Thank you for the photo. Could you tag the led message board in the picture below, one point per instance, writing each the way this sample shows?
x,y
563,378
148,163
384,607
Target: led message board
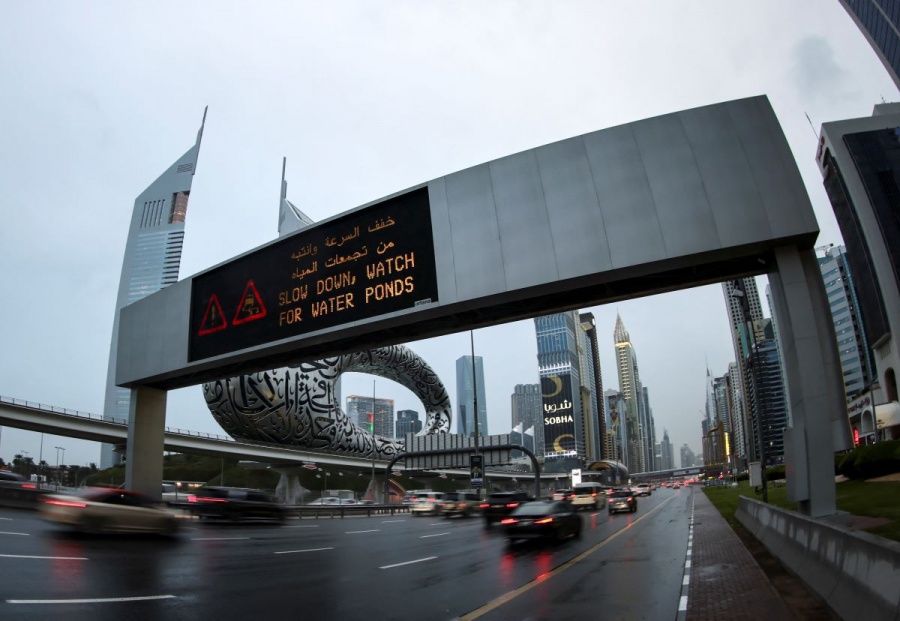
x,y
373,261
559,415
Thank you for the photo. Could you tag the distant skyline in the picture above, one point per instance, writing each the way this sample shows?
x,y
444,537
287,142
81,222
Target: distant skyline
x,y
364,99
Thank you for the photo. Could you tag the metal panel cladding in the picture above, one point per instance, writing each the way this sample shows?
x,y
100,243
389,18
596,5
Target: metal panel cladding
x,y
370,262
559,415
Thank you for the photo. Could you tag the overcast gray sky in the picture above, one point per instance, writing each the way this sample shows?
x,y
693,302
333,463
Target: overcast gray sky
x,y
364,99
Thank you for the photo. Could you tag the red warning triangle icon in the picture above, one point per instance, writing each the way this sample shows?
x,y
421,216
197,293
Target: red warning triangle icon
x,y
213,319
250,307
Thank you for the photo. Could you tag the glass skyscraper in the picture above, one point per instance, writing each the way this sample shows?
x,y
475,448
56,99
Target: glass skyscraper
x,y
879,21
632,395
525,405
465,397
152,261
377,418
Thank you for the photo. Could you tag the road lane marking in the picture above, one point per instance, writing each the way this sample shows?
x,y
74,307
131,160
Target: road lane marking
x,y
52,558
435,535
354,532
682,604
687,564
687,580
509,596
9,533
391,521
6,519
299,551
99,600
420,560
219,538
302,526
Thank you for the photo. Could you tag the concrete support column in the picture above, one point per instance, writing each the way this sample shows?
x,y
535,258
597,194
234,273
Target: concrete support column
x,y
146,441
818,423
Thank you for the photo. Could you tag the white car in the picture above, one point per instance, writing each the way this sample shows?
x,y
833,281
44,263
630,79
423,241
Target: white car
x,y
101,510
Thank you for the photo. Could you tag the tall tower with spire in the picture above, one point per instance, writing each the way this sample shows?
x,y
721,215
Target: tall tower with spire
x,y
630,387
152,262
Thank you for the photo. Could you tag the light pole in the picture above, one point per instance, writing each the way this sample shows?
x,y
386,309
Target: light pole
x,y
475,408
372,485
25,460
58,449
41,462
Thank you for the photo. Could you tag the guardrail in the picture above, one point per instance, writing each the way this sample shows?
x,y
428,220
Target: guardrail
x,y
322,511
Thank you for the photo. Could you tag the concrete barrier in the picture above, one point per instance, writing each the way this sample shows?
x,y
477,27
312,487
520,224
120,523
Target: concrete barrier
x,y
856,574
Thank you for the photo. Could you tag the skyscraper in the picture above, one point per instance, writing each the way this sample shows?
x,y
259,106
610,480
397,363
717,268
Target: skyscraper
x,y
526,412
632,393
742,340
465,397
592,389
853,347
152,261
666,453
688,458
407,422
560,372
615,438
879,21
767,399
860,163
377,418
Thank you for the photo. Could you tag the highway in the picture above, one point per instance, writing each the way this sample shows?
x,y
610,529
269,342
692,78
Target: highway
x,y
380,567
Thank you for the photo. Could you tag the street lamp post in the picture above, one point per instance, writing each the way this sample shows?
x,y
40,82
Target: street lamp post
x,y
58,449
475,407
25,460
372,485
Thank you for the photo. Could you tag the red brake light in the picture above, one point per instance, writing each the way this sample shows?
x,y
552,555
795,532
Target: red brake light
x,y
192,498
512,505
65,503
594,494
509,521
29,486
631,498
544,521
483,505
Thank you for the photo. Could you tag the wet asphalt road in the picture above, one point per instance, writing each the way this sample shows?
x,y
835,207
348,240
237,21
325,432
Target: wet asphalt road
x,y
625,566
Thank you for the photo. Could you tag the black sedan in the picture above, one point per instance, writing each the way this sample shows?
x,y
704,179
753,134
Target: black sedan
x,y
542,519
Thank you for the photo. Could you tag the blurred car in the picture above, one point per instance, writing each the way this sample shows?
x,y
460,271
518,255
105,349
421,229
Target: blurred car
x,y
643,489
500,504
9,479
563,494
348,501
426,503
588,495
622,500
461,504
235,504
327,500
542,519
101,510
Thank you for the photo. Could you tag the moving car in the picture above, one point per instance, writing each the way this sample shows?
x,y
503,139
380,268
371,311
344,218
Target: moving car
x,y
500,504
588,495
622,500
426,503
643,489
101,510
462,504
542,519
235,504
563,494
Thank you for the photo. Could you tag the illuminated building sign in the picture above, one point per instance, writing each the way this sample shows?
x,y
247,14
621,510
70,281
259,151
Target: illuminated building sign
x,y
371,262
559,416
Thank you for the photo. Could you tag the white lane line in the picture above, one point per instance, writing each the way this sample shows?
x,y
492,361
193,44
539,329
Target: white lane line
x,y
299,551
687,564
688,551
99,600
52,558
687,580
20,534
6,519
354,532
682,603
391,521
428,558
219,538
435,535
303,526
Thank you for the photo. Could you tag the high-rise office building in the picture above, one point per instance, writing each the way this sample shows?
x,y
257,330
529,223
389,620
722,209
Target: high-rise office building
x,y
632,394
377,418
407,422
667,456
591,389
736,415
615,438
466,397
688,458
151,262
526,411
879,21
860,163
853,347
560,372
767,400
746,328
649,429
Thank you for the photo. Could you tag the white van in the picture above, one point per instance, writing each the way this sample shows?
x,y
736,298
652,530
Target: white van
x,y
588,495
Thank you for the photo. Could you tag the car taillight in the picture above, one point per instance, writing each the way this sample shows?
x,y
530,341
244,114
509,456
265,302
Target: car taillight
x,y
29,486
631,498
509,521
594,494
512,505
65,503
192,498
206,499
544,521
483,505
